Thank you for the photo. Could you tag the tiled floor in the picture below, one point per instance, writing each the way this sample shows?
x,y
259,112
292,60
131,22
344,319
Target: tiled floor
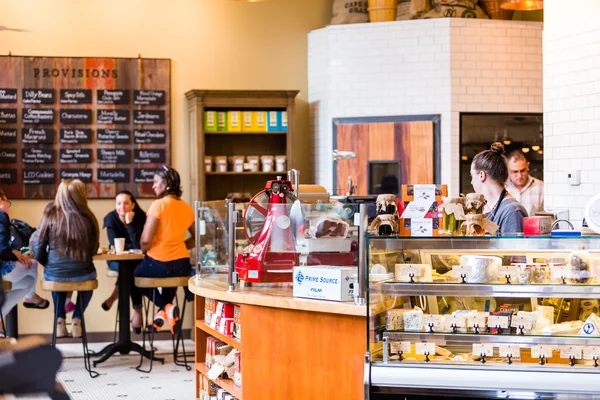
x,y
120,380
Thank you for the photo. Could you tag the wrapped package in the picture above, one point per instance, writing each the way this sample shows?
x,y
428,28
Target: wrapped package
x,y
566,328
483,269
324,227
580,263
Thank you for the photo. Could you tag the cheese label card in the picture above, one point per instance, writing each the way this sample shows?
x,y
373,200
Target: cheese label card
x,y
513,350
571,351
559,272
424,193
498,321
435,320
460,321
421,227
591,352
541,351
477,320
407,269
423,348
486,349
521,321
396,347
507,270
458,270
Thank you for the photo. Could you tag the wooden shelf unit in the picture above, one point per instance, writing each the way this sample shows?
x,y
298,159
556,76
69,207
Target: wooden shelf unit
x,y
235,342
226,384
204,185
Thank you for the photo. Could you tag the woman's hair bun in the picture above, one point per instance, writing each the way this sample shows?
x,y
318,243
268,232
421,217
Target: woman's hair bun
x,y
497,148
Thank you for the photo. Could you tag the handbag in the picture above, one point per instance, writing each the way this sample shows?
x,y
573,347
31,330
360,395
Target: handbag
x,y
20,232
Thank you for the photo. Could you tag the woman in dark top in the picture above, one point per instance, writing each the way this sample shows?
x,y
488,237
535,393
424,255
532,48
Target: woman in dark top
x,y
126,221
65,243
489,172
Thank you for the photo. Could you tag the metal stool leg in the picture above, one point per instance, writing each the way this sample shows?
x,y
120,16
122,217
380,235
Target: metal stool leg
x,y
116,324
151,340
84,342
179,335
144,331
55,323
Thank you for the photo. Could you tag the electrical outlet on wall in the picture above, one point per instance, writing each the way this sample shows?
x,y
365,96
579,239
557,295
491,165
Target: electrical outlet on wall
x,y
574,177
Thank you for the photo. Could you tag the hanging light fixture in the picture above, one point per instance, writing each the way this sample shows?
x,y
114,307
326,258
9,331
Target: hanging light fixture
x,y
525,150
535,147
464,158
522,5
507,142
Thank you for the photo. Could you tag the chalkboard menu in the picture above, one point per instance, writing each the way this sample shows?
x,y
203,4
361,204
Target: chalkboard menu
x,y
105,121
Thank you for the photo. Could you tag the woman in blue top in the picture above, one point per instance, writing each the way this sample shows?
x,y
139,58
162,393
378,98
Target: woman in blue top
x,y
489,172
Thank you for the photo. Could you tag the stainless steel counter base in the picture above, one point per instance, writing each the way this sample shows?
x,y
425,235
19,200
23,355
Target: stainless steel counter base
x,y
493,381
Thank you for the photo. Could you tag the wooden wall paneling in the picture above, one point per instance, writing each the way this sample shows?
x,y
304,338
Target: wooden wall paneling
x,y
415,147
301,355
381,142
353,137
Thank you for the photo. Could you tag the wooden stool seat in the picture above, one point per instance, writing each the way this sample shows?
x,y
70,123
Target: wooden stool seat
x,y
54,286
175,281
112,274
6,285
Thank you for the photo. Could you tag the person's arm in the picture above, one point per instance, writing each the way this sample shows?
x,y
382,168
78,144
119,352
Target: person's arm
x,y
135,226
190,242
149,232
110,230
6,252
38,246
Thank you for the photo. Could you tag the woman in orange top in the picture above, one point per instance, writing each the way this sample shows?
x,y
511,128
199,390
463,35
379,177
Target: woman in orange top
x,y
164,243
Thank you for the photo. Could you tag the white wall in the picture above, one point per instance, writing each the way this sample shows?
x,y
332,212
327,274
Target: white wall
x,y
571,104
436,66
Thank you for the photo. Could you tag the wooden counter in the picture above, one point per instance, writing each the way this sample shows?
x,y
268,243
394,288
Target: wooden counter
x,y
291,348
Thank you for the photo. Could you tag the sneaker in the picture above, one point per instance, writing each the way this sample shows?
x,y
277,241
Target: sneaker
x,y
160,319
172,317
77,331
69,307
61,328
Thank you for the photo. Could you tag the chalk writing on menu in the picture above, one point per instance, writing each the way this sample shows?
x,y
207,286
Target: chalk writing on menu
x,y
75,96
83,174
148,156
148,117
75,116
149,97
37,135
75,136
38,156
8,156
113,156
75,156
147,136
38,96
143,175
8,135
112,117
38,116
8,116
8,176
112,96
113,175
8,96
113,136
38,176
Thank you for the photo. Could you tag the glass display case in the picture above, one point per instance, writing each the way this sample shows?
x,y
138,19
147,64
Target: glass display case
x,y
492,317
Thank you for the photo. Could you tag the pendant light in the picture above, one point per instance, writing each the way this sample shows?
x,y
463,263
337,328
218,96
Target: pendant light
x,y
522,5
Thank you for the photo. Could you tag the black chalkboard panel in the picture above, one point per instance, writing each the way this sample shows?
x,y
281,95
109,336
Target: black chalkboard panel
x,y
75,96
38,96
38,176
110,96
148,156
38,156
8,116
37,135
75,116
113,156
149,97
144,175
8,96
8,176
113,175
148,117
76,135
38,116
8,156
8,135
112,117
83,174
113,136
75,156
149,136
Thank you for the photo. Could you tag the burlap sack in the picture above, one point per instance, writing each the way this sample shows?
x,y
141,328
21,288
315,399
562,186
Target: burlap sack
x,y
412,9
350,12
455,9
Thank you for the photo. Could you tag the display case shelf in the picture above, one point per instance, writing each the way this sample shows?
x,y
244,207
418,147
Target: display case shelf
x,y
212,332
450,339
226,384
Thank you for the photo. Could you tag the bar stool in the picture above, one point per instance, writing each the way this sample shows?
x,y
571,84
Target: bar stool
x,y
155,283
114,274
55,286
7,286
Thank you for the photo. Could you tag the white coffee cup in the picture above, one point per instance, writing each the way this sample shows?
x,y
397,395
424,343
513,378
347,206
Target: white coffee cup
x,y
119,245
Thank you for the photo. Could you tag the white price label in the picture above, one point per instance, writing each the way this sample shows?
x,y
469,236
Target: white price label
x,y
202,227
498,321
591,352
477,321
507,270
571,351
521,321
434,320
410,269
513,350
396,347
486,349
458,270
423,348
460,321
541,351
561,272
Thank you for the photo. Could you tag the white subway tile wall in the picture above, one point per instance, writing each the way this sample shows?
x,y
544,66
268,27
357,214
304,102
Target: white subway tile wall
x,y
435,66
571,105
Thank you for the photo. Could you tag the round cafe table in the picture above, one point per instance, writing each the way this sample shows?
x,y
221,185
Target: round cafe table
x,y
124,345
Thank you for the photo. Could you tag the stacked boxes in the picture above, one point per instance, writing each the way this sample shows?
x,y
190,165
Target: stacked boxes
x,y
219,315
237,326
421,215
245,121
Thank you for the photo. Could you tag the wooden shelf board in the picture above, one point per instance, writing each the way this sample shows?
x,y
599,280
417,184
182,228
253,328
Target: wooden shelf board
x,y
245,173
244,133
226,384
227,339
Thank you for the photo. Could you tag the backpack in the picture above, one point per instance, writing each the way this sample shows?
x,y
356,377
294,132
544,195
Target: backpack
x,y
20,232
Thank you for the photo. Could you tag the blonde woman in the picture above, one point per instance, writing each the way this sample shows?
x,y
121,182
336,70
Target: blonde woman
x,y
65,242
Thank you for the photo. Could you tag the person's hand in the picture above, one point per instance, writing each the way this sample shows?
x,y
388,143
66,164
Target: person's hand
x,y
129,217
28,262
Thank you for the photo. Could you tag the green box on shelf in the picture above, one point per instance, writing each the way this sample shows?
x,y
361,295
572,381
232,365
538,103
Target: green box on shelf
x,y
210,121
221,121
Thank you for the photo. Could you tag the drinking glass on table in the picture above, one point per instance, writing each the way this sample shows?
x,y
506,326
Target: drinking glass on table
x,y
119,245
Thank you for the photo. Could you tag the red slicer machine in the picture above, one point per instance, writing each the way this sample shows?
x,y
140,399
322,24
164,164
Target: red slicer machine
x,y
269,228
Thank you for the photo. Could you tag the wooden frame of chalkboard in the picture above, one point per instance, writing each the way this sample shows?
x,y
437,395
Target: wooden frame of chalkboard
x,y
106,121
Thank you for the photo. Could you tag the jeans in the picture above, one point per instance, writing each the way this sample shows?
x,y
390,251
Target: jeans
x,y
136,296
151,268
59,298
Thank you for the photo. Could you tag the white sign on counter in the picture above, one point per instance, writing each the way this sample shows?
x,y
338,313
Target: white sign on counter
x,y
434,320
324,282
591,352
396,347
541,351
513,350
407,269
498,321
458,270
521,321
507,270
459,321
480,349
423,348
571,351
